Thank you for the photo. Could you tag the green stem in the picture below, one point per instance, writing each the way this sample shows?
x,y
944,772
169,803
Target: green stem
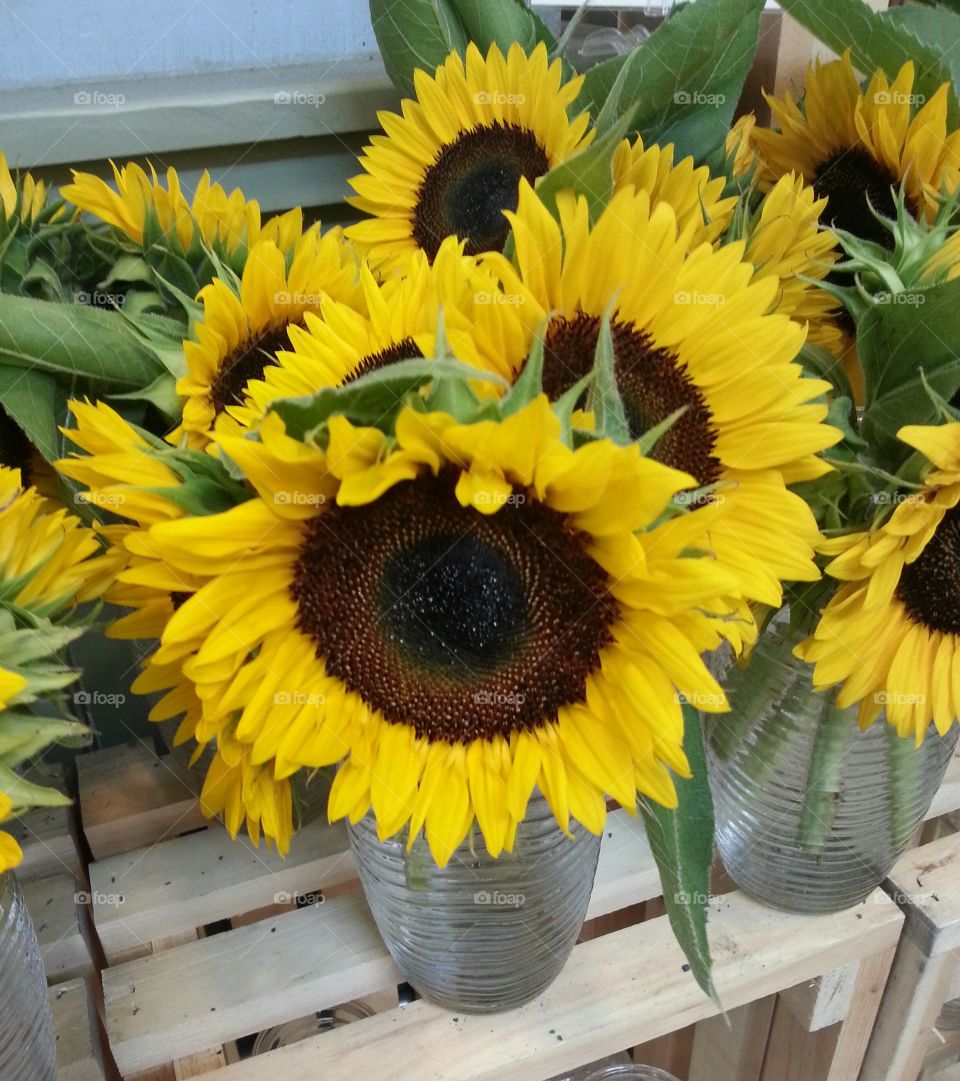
x,y
905,763
833,737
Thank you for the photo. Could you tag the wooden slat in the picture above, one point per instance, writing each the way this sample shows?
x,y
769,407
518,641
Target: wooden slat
x,y
733,1046
130,798
926,883
947,799
824,1001
79,1054
228,985
616,991
184,883
54,904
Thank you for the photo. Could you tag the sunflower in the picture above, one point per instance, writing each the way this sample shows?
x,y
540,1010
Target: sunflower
x,y
119,467
452,163
891,633
48,561
784,241
396,319
696,197
21,197
855,147
461,611
739,148
691,331
228,223
238,337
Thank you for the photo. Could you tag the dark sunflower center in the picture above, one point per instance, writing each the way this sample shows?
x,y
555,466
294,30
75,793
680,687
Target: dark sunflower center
x,y
929,587
15,448
652,382
472,181
373,362
460,624
852,181
249,361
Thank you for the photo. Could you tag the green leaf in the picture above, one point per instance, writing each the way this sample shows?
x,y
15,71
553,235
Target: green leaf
x,y
502,22
32,400
24,736
877,41
71,340
161,394
681,840
604,398
415,34
904,348
588,173
653,435
529,383
24,793
686,77
373,399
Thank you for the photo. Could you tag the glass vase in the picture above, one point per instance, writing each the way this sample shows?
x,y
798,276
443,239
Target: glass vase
x,y
27,1042
811,812
480,935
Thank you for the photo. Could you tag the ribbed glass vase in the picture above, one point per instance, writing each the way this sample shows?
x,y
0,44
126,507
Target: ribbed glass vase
x,y
480,935
811,813
27,1043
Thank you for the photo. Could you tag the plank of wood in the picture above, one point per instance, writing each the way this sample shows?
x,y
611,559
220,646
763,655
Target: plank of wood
x,y
186,882
79,1054
911,1003
54,906
130,798
925,882
733,1046
824,1001
46,837
793,1054
220,988
857,1027
947,799
616,991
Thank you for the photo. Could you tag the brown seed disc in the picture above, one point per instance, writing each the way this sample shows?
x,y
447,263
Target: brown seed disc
x,y
248,362
471,182
852,181
461,624
929,587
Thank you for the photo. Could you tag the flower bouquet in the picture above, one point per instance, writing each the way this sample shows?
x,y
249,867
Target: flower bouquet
x,y
454,502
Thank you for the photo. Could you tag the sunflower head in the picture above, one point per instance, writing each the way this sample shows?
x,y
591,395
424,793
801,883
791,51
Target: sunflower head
x,y
154,216
695,196
457,610
243,329
451,164
698,358
857,147
891,633
21,197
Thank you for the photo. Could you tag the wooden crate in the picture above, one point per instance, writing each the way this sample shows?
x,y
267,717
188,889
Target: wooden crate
x,y
207,945
80,1049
